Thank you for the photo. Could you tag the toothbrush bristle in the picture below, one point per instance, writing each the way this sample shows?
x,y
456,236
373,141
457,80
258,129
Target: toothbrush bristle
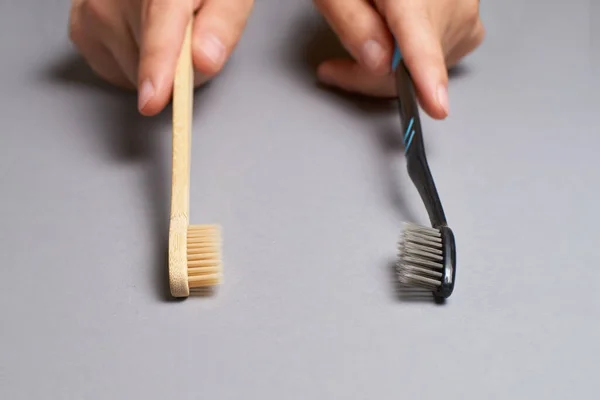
x,y
203,257
421,257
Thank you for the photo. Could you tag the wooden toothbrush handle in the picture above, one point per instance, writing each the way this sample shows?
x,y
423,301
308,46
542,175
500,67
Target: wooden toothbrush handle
x,y
183,86
183,89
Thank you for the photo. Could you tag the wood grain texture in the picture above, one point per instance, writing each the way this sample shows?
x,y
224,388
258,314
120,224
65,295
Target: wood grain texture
x,y
180,190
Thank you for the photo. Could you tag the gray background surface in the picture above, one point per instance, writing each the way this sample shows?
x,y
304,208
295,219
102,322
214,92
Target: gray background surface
x,y
311,197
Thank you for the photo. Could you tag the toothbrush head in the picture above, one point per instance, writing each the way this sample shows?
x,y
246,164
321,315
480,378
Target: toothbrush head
x,y
195,266
427,259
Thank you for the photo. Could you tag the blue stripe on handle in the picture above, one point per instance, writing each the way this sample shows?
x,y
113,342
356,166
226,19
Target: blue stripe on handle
x,y
410,124
409,141
408,135
396,59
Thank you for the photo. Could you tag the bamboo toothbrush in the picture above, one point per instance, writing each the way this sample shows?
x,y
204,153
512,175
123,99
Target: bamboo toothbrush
x,y
427,255
194,250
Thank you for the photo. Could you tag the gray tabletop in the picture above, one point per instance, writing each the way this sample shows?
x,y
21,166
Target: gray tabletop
x,y
311,194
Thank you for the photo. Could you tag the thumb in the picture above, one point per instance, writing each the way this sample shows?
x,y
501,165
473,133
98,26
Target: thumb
x,y
163,26
422,53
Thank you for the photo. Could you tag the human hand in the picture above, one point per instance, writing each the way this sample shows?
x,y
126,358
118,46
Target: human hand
x,y
433,35
135,44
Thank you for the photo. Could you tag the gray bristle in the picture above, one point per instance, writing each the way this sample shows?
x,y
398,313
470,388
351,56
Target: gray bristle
x,y
421,257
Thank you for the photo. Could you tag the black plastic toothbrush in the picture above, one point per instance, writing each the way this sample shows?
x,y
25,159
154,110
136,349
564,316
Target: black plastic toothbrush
x,y
427,255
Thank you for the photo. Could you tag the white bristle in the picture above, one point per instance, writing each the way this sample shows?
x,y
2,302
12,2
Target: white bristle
x,y
421,257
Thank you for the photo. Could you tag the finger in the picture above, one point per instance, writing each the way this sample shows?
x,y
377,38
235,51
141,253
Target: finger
x,y
362,31
466,46
217,29
131,12
350,76
103,22
422,52
75,14
163,24
102,62
123,49
126,53
97,56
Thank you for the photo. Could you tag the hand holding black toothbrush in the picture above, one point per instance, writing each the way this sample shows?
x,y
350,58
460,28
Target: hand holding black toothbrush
x,y
434,35
427,255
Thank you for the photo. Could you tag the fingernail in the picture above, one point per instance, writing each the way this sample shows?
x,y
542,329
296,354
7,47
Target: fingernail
x,y
145,93
442,98
373,54
212,47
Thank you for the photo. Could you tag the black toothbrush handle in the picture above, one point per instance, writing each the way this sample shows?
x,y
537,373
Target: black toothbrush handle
x,y
418,168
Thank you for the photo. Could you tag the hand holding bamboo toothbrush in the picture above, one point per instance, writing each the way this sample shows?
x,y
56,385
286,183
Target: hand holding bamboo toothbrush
x,y
194,250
